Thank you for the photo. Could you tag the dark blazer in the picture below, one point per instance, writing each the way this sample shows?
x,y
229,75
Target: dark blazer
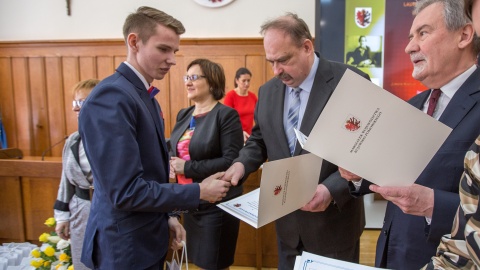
x,y
342,223
406,241
123,135
217,139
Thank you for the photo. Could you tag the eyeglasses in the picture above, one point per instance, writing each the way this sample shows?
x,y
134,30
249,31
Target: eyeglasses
x,y
192,78
78,103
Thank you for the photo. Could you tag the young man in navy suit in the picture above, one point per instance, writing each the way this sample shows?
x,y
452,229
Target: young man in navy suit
x,y
123,134
443,49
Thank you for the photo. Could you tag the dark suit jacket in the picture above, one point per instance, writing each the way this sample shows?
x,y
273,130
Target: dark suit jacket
x,y
123,137
217,139
406,241
342,223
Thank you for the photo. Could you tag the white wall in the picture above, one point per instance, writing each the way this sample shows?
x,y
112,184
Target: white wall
x,y
103,19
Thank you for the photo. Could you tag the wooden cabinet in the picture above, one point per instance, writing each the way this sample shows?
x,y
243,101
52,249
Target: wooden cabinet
x,y
28,189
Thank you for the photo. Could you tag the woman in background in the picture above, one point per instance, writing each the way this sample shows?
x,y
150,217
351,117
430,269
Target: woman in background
x,y
206,139
72,206
242,100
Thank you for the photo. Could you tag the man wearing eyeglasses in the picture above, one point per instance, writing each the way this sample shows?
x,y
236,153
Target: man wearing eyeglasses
x,y
123,134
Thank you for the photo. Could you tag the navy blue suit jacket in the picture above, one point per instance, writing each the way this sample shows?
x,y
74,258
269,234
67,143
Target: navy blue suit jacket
x,y
123,134
406,241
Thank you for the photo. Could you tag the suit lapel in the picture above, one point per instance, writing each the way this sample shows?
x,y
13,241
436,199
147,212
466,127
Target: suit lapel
x,y
151,105
277,96
319,96
461,102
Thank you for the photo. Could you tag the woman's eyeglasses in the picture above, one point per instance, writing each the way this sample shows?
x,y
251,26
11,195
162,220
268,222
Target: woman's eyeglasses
x,y
192,78
78,103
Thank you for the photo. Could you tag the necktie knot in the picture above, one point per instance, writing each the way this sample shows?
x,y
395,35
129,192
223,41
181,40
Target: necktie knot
x,y
432,101
296,91
152,91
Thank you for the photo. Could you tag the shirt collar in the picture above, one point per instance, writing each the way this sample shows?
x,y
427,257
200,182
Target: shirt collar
x,y
140,76
451,87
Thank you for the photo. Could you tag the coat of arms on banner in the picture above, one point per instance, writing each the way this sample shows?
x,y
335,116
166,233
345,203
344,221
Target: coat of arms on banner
x,y
363,16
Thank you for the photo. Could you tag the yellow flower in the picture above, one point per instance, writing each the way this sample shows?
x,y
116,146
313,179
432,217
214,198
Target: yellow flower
x,y
70,267
44,237
64,257
46,263
50,222
36,263
49,251
35,253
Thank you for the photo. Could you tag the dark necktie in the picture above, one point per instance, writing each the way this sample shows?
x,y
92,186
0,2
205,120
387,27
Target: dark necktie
x,y
432,102
152,91
292,121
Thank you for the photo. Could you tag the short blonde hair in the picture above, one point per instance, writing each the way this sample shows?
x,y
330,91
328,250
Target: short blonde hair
x,y
85,86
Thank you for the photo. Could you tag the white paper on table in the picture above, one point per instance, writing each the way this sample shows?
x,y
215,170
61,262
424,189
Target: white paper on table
x,y
286,185
310,261
374,134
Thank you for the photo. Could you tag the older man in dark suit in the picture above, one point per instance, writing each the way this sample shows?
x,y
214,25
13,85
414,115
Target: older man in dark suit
x,y
296,96
443,49
123,134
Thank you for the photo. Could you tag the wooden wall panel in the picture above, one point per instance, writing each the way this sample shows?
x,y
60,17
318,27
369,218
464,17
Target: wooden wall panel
x,y
22,105
70,76
57,108
88,67
38,101
104,67
37,78
11,227
39,195
7,105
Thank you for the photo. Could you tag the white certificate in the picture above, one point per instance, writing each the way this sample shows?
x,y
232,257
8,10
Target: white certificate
x,y
374,134
309,261
286,185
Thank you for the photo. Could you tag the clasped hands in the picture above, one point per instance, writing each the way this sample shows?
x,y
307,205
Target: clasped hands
x,y
415,200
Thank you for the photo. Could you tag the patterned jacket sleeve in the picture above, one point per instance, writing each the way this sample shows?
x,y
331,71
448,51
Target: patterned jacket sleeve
x,y
461,248
65,191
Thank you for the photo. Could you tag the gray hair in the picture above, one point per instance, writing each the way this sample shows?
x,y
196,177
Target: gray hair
x,y
453,14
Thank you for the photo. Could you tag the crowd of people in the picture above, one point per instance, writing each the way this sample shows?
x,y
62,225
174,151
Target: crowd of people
x,y
121,151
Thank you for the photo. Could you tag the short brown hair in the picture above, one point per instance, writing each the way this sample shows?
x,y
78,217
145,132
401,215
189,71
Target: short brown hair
x,y
292,25
214,75
145,20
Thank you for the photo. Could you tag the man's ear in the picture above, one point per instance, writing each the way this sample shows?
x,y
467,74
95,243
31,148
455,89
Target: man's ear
x,y
132,41
308,45
467,36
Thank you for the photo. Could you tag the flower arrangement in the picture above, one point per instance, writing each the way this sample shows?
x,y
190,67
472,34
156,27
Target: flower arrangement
x,y
54,254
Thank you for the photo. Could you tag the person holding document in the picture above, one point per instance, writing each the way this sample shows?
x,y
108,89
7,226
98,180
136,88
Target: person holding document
x,y
461,248
207,138
295,98
443,49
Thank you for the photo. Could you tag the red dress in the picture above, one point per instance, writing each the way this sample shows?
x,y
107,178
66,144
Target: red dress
x,y
244,105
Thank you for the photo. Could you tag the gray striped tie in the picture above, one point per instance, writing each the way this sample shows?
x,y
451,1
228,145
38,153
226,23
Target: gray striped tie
x,y
292,120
